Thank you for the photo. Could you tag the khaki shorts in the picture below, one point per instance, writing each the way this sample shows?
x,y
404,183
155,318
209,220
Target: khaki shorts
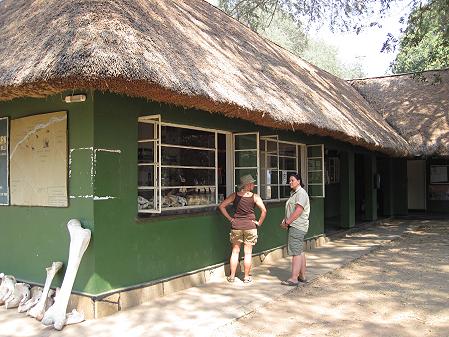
x,y
295,244
246,236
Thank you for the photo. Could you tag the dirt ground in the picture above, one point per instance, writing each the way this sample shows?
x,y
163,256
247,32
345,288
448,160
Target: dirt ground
x,y
400,289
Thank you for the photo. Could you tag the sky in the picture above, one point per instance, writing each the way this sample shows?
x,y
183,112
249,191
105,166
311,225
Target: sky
x,y
365,47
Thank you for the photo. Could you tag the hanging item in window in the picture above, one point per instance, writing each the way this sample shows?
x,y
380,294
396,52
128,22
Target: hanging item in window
x,y
4,160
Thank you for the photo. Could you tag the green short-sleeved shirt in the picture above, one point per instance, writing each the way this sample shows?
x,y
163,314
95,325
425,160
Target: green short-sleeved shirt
x,y
299,197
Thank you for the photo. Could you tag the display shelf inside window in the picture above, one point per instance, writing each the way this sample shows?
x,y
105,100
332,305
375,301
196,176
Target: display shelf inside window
x,y
188,168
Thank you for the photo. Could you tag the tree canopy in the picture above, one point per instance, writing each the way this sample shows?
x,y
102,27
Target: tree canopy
x,y
425,42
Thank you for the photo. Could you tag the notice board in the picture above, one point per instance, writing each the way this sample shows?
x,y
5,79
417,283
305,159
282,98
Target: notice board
x,y
4,161
38,160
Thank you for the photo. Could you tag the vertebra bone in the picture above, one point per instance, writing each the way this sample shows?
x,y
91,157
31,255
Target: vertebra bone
x,y
79,240
35,295
39,309
7,288
20,295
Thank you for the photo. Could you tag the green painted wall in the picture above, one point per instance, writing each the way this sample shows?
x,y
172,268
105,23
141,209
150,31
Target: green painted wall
x,y
32,237
130,250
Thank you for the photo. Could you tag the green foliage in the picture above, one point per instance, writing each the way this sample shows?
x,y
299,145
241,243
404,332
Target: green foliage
x,y
425,43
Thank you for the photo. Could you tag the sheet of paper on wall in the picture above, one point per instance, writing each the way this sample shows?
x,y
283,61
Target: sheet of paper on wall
x,y
38,160
284,177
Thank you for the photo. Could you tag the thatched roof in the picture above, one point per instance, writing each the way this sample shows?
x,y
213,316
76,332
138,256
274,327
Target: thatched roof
x,y
184,52
417,106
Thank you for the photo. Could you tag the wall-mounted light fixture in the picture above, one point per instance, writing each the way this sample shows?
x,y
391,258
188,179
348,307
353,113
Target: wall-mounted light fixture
x,y
75,98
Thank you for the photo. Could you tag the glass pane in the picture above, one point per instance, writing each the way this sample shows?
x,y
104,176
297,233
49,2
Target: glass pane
x,y
287,150
187,157
316,190
246,159
272,161
285,192
316,177
269,192
314,151
272,147
262,146
314,164
145,131
287,163
187,137
145,152
145,175
243,142
145,200
182,197
187,177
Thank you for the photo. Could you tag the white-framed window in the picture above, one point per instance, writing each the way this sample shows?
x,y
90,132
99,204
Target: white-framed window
x,y
315,170
246,157
279,159
181,167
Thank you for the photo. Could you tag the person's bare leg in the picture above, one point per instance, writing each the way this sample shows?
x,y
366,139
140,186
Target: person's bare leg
x,y
303,268
296,260
234,261
248,258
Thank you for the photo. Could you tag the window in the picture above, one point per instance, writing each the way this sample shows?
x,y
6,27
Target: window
x,y
315,170
246,157
279,160
180,167
333,170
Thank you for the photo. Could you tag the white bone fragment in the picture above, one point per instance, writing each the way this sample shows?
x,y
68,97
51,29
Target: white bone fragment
x,y
79,240
74,317
7,288
35,295
39,309
21,294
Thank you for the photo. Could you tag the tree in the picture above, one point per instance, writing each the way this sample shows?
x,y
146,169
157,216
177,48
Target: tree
x,y
280,27
425,43
342,15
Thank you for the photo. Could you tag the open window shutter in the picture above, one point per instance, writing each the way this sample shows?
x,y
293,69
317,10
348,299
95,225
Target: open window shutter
x,y
315,170
149,165
246,157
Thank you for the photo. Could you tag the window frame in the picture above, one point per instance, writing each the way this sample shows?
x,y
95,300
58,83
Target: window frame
x,y
160,146
299,163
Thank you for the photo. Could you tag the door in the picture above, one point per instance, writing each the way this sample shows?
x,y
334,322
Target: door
x,y
416,180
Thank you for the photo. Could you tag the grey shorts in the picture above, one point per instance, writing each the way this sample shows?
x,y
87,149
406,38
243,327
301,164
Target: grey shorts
x,y
295,243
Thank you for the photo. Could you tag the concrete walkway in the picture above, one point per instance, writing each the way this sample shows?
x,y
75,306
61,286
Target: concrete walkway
x,y
201,310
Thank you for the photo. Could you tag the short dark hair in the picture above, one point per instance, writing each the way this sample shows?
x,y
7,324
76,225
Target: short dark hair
x,y
297,177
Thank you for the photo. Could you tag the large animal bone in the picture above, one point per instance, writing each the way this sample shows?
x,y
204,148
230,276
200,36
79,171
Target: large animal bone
x,y
39,309
35,295
20,295
7,288
79,240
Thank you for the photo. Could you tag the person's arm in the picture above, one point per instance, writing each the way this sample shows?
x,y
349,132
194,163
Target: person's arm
x,y
297,212
263,210
225,203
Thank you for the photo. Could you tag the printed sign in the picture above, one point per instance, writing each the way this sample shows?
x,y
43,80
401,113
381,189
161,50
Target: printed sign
x,y
4,160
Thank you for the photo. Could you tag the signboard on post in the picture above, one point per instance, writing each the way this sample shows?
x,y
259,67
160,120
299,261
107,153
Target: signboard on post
x,y
4,161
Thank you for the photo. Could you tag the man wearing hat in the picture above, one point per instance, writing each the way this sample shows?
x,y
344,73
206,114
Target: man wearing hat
x,y
243,224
